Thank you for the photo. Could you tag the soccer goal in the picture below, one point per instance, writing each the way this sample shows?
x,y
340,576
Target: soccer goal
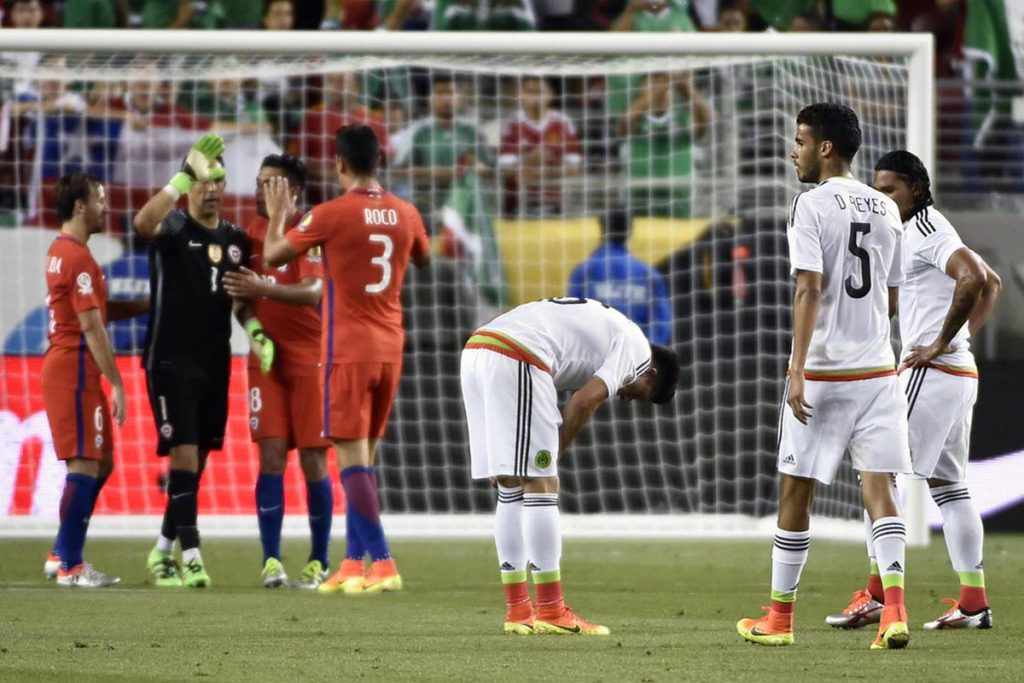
x,y
522,151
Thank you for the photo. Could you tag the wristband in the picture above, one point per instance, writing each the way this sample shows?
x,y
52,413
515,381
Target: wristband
x,y
181,182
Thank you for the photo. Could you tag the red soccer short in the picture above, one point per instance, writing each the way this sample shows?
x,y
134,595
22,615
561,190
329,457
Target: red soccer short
x,y
286,406
79,415
358,399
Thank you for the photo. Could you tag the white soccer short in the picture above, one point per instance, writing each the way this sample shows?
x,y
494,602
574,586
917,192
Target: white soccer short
x,y
941,406
867,418
512,414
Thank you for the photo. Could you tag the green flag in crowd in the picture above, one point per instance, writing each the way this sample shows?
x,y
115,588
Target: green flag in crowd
x,y
994,38
468,222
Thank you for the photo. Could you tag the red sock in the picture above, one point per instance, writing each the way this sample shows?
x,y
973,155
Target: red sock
x,y
516,594
875,588
549,596
782,607
972,600
893,596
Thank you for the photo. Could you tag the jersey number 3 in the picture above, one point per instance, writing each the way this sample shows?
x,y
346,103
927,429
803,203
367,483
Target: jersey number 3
x,y
865,262
382,262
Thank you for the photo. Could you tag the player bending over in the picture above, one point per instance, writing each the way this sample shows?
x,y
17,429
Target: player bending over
x,y
188,350
284,403
79,351
843,394
368,237
512,370
948,294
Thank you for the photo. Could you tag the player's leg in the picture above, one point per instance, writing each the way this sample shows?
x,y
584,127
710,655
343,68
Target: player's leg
x,y
163,388
270,508
183,491
320,506
511,548
865,606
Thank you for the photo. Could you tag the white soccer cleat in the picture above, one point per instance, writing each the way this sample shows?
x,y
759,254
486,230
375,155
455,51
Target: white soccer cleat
x,y
862,610
84,576
51,566
954,618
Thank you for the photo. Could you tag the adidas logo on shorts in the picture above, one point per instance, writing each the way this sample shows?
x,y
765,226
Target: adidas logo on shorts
x,y
789,460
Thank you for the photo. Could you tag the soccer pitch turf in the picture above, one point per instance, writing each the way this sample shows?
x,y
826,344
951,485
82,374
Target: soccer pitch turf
x,y
672,607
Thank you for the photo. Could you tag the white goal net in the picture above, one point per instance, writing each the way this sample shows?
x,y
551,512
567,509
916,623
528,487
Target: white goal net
x,y
524,167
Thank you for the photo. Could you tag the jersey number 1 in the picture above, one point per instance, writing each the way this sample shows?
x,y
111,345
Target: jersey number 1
x,y
865,262
383,262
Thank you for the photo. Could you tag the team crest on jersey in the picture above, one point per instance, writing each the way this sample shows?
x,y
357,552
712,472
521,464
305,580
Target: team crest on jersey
x,y
235,254
214,253
315,255
306,220
99,441
254,423
166,430
84,282
543,459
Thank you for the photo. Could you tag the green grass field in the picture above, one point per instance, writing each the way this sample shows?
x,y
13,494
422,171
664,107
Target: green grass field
x,y
671,605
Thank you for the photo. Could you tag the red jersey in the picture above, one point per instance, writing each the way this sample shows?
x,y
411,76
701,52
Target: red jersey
x,y
74,283
367,237
555,134
294,329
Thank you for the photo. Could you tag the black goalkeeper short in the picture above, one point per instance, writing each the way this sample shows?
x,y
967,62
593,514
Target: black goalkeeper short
x,y
189,403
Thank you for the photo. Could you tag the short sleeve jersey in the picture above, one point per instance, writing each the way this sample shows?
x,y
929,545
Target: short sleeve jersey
x,y
578,339
367,238
850,233
556,133
74,284
294,329
929,239
190,313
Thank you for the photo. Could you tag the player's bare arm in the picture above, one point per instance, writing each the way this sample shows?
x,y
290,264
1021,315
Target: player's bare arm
x,y
580,408
280,205
122,310
987,301
245,284
970,278
806,302
894,302
261,344
198,166
98,342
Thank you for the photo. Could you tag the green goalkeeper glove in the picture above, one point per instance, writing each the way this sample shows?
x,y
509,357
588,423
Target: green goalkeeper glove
x,y
261,344
196,167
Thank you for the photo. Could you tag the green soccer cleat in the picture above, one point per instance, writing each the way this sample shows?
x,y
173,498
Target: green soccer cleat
x,y
165,570
194,575
273,573
313,574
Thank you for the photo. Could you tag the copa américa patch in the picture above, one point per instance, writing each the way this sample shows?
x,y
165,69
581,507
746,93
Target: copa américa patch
x,y
306,220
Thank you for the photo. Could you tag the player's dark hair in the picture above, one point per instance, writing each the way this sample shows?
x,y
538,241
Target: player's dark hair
x,y
438,77
267,4
293,168
359,147
665,361
617,226
71,188
836,123
911,169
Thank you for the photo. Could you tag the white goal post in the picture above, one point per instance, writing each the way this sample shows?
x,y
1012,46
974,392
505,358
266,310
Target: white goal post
x,y
673,491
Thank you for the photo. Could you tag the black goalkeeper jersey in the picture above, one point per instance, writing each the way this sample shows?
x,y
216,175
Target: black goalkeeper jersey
x,y
190,313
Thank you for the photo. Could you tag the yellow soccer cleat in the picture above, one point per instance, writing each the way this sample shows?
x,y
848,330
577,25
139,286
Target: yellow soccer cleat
x,y
893,633
771,629
383,577
567,623
519,620
348,579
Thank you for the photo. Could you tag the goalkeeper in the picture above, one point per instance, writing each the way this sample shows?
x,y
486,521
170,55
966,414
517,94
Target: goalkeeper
x,y
188,352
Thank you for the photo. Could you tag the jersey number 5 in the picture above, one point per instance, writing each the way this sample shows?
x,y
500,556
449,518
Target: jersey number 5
x,y
865,262
383,262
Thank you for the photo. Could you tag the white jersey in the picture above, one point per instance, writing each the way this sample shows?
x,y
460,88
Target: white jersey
x,y
928,242
850,233
577,339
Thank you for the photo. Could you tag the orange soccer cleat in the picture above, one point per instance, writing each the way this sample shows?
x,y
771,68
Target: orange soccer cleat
x,y
348,579
563,621
383,577
519,619
893,633
774,628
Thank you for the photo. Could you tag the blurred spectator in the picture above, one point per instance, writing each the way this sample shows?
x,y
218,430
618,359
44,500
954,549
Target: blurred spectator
x,y
95,13
780,14
244,14
24,13
223,101
804,23
166,13
945,20
732,18
853,15
659,135
351,15
404,15
438,147
655,15
539,149
598,15
341,105
616,277
880,23
278,15
473,15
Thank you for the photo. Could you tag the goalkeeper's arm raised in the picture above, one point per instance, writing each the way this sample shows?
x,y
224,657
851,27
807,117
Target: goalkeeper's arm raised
x,y
198,167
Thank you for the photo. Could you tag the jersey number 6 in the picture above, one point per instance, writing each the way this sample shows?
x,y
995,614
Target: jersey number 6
x,y
865,262
383,262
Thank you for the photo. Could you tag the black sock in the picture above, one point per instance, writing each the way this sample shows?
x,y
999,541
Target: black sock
x,y
181,492
167,528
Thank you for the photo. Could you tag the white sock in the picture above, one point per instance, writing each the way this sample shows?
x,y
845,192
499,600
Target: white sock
x,y
164,544
508,530
890,537
962,527
189,554
868,540
542,531
789,555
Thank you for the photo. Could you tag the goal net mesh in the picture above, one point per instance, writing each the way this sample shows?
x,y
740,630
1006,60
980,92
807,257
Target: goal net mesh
x,y
521,167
